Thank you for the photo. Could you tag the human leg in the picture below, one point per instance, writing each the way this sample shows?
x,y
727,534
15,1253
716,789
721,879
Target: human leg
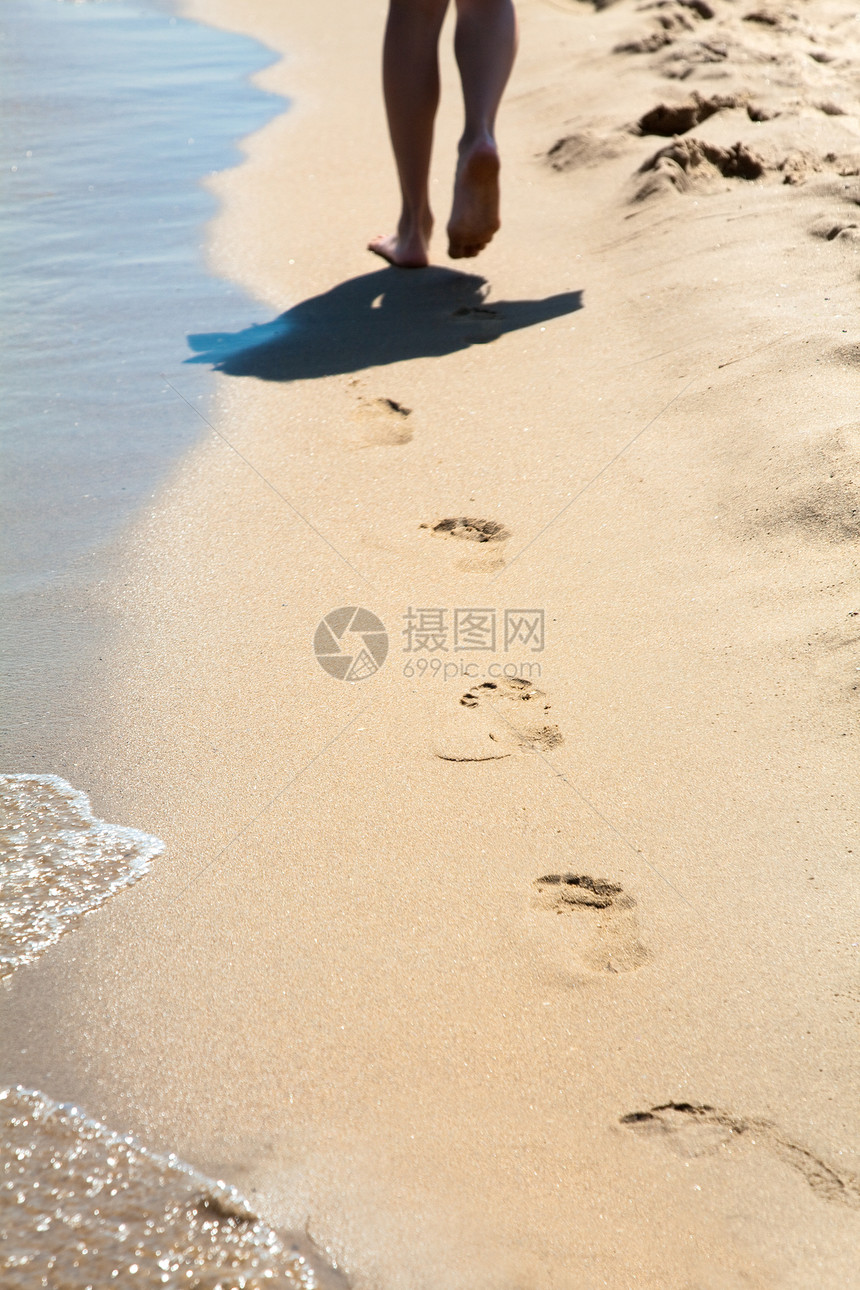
x,y
485,45
411,85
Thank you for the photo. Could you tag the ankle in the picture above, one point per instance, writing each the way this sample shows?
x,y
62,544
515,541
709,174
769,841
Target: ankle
x,y
415,223
473,140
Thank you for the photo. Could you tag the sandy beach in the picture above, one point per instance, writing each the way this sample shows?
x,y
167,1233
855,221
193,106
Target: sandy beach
x,y
536,970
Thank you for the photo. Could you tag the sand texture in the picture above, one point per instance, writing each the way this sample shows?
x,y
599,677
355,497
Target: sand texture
x,y
499,987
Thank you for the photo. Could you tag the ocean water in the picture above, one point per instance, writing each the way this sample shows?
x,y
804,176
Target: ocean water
x,y
84,1208
57,863
114,113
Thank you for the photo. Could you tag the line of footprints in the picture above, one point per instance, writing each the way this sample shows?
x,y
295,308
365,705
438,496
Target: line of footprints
x,y
499,718
606,939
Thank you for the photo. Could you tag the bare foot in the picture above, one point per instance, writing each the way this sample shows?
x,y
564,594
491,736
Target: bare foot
x,y
408,247
475,213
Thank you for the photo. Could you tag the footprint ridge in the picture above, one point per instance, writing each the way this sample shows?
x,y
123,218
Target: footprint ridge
x,y
507,728
680,1123
612,941
469,529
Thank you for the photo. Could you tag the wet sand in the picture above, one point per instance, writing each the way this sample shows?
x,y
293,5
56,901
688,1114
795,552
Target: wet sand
x,y
543,986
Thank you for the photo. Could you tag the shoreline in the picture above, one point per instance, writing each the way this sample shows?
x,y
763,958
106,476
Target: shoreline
x,y
359,986
101,218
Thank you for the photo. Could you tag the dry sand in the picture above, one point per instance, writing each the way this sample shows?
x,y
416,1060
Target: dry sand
x,y
346,989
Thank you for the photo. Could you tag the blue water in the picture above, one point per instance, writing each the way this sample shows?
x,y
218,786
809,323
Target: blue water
x,y
114,113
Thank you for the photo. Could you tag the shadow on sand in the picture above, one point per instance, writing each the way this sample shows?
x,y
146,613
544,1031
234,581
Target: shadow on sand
x,y
378,318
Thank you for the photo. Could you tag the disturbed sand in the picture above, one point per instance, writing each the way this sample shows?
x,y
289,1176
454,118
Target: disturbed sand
x,y
516,986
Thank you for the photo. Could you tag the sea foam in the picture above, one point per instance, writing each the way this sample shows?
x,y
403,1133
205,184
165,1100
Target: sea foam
x,y
57,862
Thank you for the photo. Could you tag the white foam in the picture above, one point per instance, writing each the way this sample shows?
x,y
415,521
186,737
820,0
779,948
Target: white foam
x,y
57,862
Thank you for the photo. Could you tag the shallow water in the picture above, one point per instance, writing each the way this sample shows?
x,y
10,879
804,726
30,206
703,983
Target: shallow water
x,y
113,114
82,1207
56,863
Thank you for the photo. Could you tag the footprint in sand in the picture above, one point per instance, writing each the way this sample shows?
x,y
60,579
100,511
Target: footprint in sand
x,y
605,934
485,537
384,422
846,230
672,19
470,530
573,151
478,324
476,313
670,119
693,165
689,164
495,719
691,1129
769,18
686,1129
